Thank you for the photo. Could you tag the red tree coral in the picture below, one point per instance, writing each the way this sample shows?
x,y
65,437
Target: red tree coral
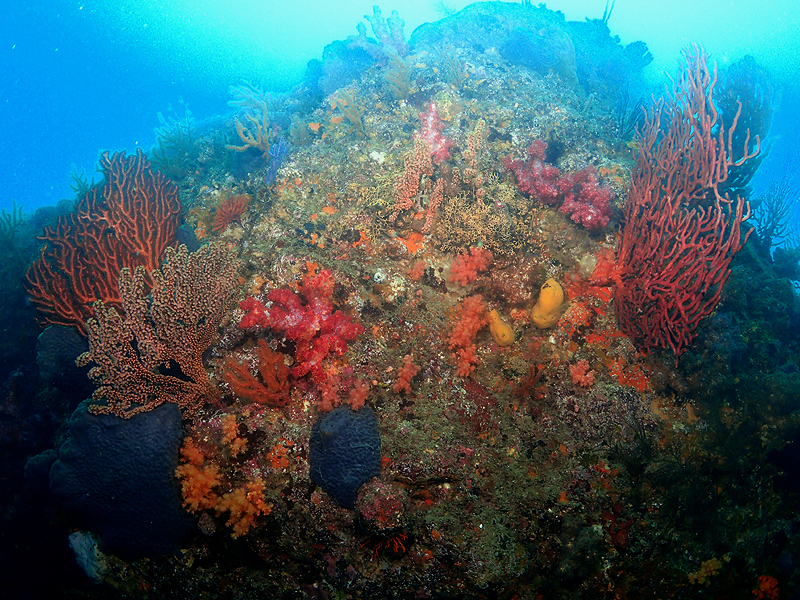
x,y
271,390
230,211
127,221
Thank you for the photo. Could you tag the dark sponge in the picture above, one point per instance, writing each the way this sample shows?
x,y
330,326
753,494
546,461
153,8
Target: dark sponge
x,y
56,350
345,452
117,477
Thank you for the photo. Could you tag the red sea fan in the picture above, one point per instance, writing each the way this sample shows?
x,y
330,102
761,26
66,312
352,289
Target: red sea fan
x,y
230,211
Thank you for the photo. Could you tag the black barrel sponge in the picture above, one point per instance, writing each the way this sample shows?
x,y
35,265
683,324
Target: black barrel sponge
x,y
117,477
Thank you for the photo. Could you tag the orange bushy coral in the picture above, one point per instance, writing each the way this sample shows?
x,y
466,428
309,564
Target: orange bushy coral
x,y
467,359
230,435
197,479
470,318
244,504
767,588
404,375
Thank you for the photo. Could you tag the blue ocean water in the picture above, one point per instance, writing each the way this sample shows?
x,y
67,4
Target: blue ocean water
x,y
80,78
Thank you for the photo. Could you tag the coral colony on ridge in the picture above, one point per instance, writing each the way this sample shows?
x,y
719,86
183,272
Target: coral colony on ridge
x,y
449,320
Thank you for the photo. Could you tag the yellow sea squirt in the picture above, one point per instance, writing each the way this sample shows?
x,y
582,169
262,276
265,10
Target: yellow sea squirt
x,y
500,330
547,310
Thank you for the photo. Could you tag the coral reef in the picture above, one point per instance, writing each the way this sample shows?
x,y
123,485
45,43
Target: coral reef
x,y
412,365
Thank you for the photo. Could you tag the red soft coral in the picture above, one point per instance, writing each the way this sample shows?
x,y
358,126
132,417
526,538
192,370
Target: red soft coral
x,y
255,313
335,331
471,317
534,175
585,201
308,320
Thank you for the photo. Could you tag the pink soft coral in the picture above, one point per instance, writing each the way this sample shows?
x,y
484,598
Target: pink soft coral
x,y
581,196
431,134
581,373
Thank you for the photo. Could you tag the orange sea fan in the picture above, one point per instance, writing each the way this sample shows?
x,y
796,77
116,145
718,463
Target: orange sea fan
x,y
272,390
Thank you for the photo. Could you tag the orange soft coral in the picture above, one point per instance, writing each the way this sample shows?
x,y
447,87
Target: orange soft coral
x,y
197,478
417,270
358,394
230,435
197,485
244,504
466,360
471,316
404,375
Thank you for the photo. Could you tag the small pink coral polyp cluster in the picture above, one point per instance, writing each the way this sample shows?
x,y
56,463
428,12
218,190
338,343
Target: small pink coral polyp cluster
x,y
582,374
308,319
582,197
